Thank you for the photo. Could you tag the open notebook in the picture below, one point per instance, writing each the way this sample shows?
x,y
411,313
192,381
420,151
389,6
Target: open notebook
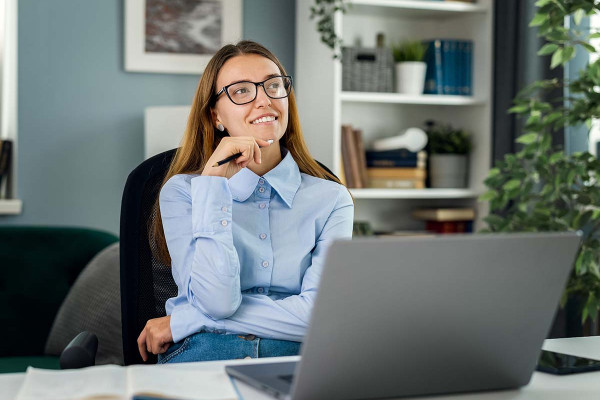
x,y
115,382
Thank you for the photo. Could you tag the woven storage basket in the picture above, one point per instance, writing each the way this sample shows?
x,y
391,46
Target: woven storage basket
x,y
367,69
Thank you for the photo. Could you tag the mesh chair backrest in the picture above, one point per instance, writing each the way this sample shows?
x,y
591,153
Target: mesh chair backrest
x,y
146,283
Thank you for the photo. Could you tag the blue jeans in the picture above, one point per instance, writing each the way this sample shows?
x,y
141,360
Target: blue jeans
x,y
206,346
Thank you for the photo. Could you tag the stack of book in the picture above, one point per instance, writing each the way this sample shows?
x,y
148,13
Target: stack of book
x,y
446,220
449,67
354,163
5,156
396,169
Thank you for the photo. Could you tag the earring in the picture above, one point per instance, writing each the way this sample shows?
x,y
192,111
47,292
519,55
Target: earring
x,y
220,127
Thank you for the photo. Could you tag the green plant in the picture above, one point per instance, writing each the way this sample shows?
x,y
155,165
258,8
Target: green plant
x,y
444,139
540,188
409,51
324,11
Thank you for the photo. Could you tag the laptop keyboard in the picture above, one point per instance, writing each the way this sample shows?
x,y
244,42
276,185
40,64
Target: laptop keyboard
x,y
287,378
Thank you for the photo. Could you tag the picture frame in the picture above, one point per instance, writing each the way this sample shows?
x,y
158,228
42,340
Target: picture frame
x,y
178,42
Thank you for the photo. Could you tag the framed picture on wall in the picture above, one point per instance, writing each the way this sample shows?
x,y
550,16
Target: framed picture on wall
x,y
178,36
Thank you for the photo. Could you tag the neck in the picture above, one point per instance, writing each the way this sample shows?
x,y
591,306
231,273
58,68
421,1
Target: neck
x,y
271,156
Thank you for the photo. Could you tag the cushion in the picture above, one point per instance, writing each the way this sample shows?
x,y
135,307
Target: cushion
x,y
94,305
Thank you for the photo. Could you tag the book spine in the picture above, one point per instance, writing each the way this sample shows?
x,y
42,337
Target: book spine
x,y
362,157
444,227
430,85
446,63
5,156
454,67
439,75
346,137
469,68
353,173
397,183
396,173
462,67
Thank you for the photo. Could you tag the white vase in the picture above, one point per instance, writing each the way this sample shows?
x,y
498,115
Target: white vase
x,y
410,77
448,170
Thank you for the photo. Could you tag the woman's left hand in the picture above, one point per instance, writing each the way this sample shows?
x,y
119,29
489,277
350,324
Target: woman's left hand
x,y
156,337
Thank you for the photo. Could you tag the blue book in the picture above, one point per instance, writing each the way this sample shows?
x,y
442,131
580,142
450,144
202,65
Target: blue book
x,y
434,75
400,154
446,64
385,163
469,68
454,67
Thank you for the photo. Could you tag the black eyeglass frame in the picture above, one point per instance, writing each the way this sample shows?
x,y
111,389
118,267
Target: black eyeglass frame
x,y
257,84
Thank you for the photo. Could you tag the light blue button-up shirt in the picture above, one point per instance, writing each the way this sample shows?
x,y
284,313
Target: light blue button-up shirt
x,y
247,252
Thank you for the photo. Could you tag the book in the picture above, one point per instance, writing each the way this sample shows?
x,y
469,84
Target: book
x,y
434,76
5,162
347,168
396,158
362,157
444,214
444,227
351,163
396,173
116,382
468,68
390,183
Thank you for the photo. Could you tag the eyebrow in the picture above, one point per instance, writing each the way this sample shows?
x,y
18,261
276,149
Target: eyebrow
x,y
248,80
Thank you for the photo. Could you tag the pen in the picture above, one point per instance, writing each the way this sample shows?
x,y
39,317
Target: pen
x,y
234,156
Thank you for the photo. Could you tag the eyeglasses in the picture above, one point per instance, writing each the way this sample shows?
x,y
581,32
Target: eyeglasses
x,y
277,87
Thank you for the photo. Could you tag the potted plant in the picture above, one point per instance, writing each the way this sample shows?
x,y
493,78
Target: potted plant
x,y
410,68
448,150
540,188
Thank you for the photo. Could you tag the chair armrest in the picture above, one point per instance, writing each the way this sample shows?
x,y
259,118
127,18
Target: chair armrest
x,y
80,352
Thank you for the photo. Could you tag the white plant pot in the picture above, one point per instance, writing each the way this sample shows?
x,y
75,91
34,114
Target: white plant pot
x,y
410,77
448,170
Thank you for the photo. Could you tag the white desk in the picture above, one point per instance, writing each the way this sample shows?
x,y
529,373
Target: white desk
x,y
542,386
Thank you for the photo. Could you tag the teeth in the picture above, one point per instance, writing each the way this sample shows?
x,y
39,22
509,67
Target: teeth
x,y
263,119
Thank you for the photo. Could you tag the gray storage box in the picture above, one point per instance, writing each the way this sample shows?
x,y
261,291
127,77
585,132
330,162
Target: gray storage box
x,y
367,69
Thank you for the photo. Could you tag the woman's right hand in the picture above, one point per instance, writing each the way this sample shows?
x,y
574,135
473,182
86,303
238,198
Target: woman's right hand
x,y
247,145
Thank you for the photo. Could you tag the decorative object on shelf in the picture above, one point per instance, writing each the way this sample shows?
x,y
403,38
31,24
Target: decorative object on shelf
x,y
410,68
449,67
448,150
446,220
324,11
178,37
5,163
367,69
413,139
540,188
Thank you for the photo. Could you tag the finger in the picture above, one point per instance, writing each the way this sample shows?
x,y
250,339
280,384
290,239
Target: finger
x,y
263,143
142,345
165,347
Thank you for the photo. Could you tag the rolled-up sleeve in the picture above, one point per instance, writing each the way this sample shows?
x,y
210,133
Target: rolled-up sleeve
x,y
196,218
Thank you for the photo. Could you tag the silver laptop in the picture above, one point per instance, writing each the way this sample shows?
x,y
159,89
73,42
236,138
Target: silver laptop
x,y
399,317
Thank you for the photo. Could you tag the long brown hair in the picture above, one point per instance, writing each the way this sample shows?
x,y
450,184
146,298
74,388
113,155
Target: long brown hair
x,y
201,138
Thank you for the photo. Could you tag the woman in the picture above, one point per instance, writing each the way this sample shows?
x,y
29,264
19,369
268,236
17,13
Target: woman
x,y
246,240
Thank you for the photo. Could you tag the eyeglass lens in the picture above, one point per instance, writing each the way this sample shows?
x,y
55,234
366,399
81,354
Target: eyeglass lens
x,y
244,92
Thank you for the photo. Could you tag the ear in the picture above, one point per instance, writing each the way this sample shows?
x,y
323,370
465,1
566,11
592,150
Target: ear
x,y
215,117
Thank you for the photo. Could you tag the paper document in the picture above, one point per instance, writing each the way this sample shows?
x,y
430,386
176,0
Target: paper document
x,y
115,382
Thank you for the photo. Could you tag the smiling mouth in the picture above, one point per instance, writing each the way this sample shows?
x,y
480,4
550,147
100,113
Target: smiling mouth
x,y
263,120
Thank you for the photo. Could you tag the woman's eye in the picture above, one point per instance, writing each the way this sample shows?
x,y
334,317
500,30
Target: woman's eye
x,y
274,86
241,91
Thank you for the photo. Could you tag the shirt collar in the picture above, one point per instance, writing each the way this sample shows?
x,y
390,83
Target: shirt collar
x,y
284,178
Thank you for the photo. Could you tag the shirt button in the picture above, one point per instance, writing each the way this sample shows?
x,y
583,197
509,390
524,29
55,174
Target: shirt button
x,y
265,264
261,181
261,189
224,209
262,205
263,236
224,222
260,290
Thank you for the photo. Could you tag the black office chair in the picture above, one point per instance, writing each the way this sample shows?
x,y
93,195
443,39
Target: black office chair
x,y
146,283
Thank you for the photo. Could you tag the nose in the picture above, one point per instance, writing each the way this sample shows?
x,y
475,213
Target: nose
x,y
262,100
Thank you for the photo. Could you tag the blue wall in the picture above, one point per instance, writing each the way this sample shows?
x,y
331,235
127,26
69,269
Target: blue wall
x,y
81,115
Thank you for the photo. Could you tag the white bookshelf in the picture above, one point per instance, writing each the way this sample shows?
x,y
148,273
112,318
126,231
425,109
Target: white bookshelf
x,y
324,107
8,98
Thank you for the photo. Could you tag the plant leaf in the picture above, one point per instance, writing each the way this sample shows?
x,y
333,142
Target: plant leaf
x,y
557,58
547,49
538,20
512,184
528,138
578,16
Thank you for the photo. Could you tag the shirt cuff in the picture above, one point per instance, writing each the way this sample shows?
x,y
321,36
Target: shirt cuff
x,y
187,320
211,205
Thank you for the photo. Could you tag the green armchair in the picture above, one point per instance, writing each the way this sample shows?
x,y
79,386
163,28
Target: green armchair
x,y
38,265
